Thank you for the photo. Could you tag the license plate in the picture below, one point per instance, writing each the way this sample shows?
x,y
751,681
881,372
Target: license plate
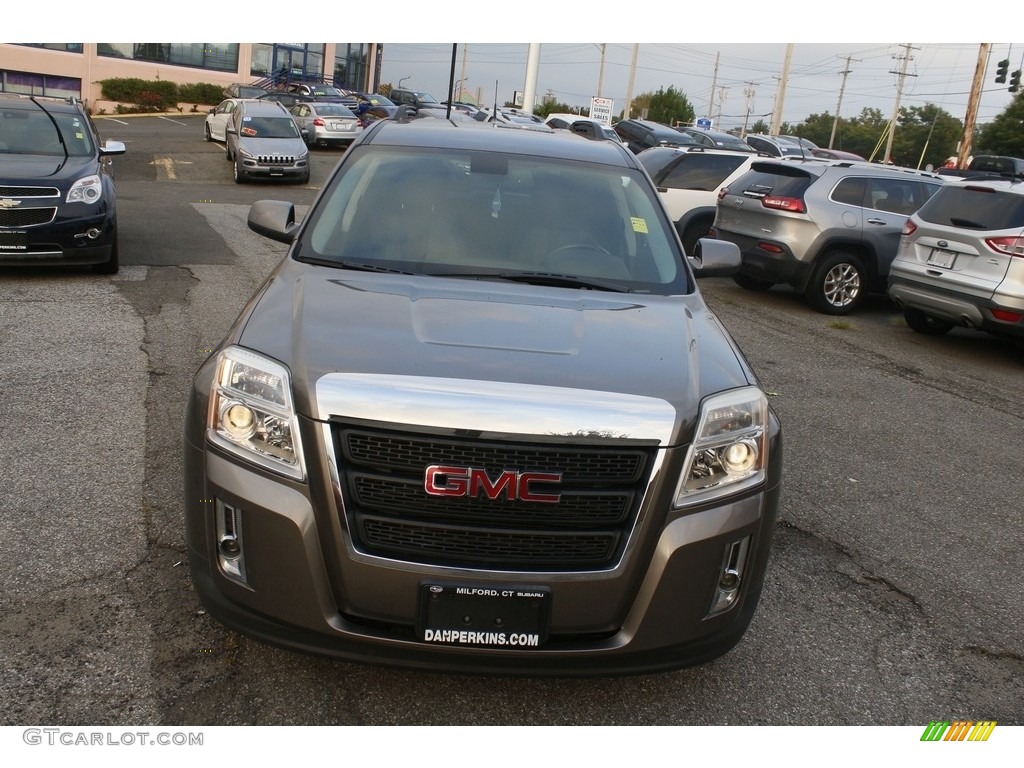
x,y
941,258
14,241
491,617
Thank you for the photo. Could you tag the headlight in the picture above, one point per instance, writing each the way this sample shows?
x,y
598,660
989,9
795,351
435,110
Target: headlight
x,y
252,414
730,448
86,190
245,154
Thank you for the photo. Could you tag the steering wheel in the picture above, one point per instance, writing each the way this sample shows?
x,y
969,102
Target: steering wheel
x,y
586,259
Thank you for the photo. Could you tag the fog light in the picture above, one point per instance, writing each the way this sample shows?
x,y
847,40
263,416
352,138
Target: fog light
x,y
93,233
230,555
730,577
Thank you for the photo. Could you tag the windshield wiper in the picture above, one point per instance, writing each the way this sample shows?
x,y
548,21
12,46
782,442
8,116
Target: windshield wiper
x,y
543,278
355,265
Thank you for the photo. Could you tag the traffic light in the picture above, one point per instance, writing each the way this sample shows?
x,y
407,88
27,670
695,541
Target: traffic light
x,y
1003,68
1014,81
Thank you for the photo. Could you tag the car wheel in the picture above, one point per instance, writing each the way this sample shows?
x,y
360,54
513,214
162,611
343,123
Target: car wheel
x,y
238,173
227,151
838,284
209,136
926,324
111,265
751,283
694,232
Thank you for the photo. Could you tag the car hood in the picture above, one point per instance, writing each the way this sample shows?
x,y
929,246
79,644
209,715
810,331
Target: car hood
x,y
321,321
51,168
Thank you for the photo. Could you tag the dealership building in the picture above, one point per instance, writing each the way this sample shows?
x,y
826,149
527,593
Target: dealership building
x,y
77,69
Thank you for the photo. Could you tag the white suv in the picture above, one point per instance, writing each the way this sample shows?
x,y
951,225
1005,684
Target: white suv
x,y
688,181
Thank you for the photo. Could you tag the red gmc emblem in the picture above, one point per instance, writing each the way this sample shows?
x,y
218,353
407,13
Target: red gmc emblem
x,y
469,481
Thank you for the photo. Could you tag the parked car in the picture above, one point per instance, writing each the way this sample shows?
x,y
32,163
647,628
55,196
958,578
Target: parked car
x,y
836,154
830,229
961,260
326,123
244,91
58,205
775,146
218,119
807,144
287,99
539,455
417,99
564,121
717,139
688,181
373,106
644,134
322,92
987,167
263,142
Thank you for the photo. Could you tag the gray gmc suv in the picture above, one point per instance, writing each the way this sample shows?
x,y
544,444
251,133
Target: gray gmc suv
x,y
502,433
828,228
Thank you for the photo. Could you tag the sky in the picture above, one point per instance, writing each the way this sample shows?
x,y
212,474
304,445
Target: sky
x,y
727,82
735,78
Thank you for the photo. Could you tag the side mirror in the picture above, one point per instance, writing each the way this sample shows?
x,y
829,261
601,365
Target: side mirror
x,y
274,219
230,129
715,258
112,148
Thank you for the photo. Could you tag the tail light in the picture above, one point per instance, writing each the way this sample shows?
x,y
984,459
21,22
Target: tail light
x,y
318,121
723,192
909,228
791,204
1008,246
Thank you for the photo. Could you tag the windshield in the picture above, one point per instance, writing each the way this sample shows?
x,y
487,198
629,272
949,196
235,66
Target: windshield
x,y
490,215
31,132
268,127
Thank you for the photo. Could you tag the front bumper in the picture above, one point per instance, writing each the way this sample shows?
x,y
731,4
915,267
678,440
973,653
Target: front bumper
x,y
74,240
308,586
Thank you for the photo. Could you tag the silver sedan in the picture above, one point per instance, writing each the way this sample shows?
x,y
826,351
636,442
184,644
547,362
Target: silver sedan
x,y
326,123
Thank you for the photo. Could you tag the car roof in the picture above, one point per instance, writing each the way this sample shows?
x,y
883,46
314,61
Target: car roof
x,y
47,103
497,137
263,106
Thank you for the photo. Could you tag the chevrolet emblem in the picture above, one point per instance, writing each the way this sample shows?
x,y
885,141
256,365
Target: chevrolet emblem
x,y
6,202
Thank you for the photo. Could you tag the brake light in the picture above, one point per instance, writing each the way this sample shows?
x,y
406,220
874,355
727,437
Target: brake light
x,y
723,192
909,228
1008,246
1006,316
318,121
791,204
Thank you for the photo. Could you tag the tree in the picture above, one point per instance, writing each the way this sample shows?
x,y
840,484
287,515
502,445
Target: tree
x,y
663,106
759,127
1005,134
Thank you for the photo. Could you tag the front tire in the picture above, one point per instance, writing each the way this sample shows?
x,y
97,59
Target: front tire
x,y
926,324
694,232
209,136
838,285
238,173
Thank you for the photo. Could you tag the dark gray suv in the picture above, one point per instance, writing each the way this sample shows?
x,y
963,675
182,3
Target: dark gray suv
x,y
830,229
262,141
481,418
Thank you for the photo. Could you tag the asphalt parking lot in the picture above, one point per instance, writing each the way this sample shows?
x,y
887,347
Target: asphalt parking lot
x,y
893,596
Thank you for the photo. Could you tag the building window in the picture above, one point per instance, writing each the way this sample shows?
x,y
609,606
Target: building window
x,y
219,56
67,47
350,65
32,84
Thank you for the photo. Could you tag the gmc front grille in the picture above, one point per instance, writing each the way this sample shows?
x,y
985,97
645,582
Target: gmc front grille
x,y
390,514
29,192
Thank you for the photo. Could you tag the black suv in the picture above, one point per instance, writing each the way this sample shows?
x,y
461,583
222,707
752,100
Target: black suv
x,y
644,134
56,191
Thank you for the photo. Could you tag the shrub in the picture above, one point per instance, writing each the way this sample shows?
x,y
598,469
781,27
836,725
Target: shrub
x,y
201,93
150,95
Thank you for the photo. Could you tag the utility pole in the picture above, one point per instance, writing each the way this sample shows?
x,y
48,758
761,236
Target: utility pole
x,y
780,96
972,106
600,72
632,79
714,82
721,100
905,60
839,104
748,93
